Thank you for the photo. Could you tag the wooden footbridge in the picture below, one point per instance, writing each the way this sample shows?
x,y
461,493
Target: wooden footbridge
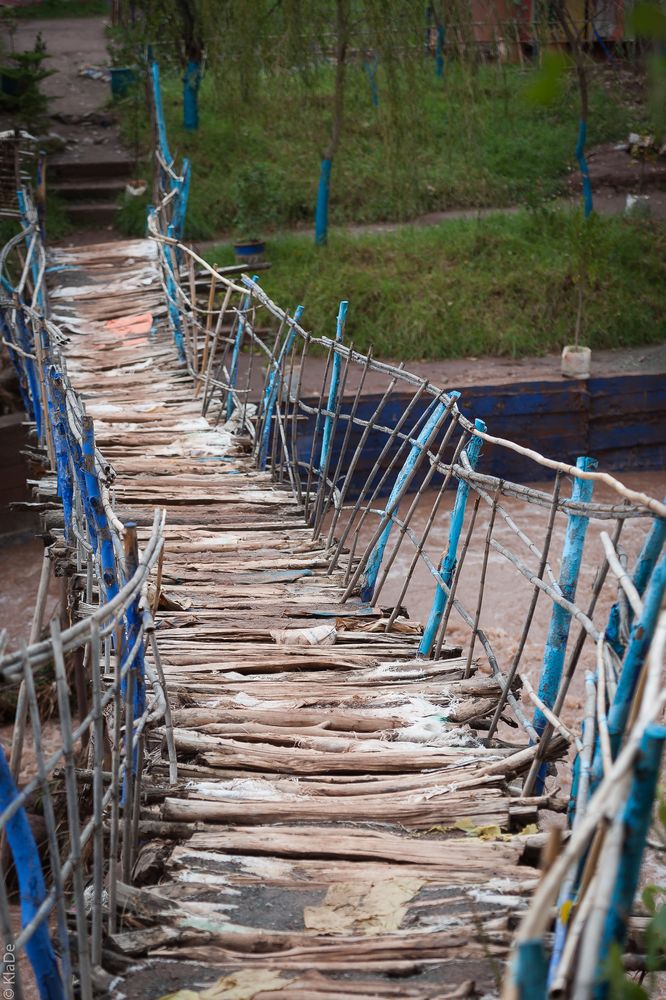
x,y
267,780
338,828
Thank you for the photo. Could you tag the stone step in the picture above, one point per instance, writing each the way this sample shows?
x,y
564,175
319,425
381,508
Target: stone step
x,y
92,213
91,167
82,189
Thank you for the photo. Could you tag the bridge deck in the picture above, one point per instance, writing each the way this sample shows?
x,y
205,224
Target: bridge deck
x,y
338,828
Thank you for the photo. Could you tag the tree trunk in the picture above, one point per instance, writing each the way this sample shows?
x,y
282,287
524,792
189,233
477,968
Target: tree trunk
x,y
342,33
192,51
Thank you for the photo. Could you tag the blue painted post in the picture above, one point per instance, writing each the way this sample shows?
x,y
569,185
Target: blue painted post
x,y
191,83
321,211
32,378
32,889
636,820
369,578
102,528
159,113
130,634
584,169
174,312
333,388
238,343
370,67
34,265
645,563
448,564
439,51
637,649
530,970
180,215
560,622
271,394
64,474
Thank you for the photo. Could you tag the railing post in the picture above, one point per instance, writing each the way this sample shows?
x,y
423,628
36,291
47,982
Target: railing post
x,y
102,528
159,112
645,564
238,343
172,304
270,396
405,476
636,820
530,970
64,474
637,649
333,388
32,888
448,564
560,621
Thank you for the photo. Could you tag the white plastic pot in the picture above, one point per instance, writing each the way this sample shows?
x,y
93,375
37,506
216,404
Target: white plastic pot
x,y
576,361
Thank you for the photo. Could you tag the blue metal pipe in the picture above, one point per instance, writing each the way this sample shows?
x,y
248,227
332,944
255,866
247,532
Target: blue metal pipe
x,y
369,578
448,564
321,211
32,889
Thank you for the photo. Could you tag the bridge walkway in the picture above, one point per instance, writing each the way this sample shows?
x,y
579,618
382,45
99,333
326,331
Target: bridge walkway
x,y
338,828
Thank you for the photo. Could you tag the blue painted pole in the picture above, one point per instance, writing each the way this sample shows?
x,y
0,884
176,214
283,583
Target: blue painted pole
x,y
191,83
448,565
645,563
369,578
637,649
184,197
32,889
560,622
439,51
107,555
636,820
172,304
530,970
130,635
63,470
159,112
238,343
333,388
271,394
32,377
370,67
584,169
321,211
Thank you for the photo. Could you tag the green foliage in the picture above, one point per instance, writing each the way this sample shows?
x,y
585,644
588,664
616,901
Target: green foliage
x,y
620,987
254,200
549,80
20,77
502,285
478,140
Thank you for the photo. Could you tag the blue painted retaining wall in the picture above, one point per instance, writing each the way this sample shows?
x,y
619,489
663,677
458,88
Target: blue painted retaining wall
x,y
620,420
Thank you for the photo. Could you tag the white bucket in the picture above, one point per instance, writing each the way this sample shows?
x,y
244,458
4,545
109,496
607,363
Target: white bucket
x,y
576,361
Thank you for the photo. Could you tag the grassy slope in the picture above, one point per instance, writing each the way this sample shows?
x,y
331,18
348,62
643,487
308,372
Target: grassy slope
x,y
500,285
473,140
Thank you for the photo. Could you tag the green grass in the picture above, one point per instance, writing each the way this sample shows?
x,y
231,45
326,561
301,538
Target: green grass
x,y
473,140
502,285
62,8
